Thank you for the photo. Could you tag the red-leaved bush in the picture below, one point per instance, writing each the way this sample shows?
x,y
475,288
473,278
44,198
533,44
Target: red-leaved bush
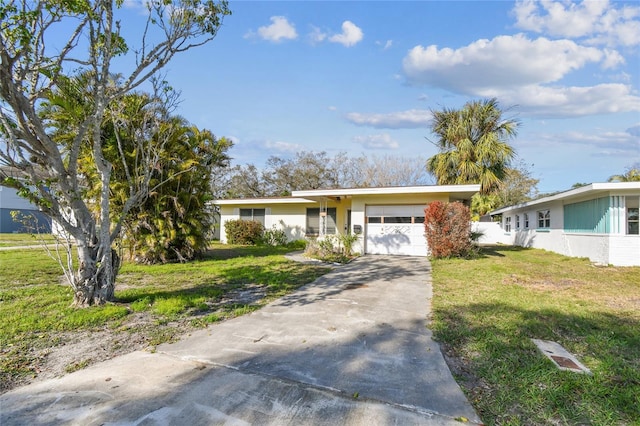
x,y
448,229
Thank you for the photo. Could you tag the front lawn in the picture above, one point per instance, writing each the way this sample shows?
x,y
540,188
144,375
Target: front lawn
x,y
486,310
155,304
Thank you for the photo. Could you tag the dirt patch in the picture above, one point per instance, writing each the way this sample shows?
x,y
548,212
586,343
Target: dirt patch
x,y
474,387
542,283
624,303
62,353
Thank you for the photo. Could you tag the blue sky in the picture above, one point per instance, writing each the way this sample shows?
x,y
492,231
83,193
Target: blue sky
x,y
362,77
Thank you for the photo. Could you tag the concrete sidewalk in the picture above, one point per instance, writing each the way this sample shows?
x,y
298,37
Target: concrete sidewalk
x,y
350,348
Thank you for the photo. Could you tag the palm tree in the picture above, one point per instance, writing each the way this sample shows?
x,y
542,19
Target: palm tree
x,y
632,174
473,145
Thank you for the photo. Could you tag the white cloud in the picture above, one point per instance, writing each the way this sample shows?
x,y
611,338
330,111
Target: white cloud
x,y
386,45
613,144
598,22
350,36
557,102
410,119
505,61
380,141
283,146
280,29
524,72
332,108
316,35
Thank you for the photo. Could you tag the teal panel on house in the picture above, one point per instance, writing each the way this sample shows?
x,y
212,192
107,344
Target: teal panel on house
x,y
588,216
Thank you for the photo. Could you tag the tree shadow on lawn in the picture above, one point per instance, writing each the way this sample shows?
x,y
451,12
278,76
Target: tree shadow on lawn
x,y
287,276
225,252
489,350
496,250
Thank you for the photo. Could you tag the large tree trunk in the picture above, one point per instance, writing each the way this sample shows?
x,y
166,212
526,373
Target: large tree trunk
x,y
95,281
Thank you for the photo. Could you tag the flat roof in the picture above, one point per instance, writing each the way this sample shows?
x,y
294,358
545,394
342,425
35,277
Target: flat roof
x,y
593,188
270,200
464,190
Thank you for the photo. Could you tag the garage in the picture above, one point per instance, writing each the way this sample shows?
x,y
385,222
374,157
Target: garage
x,y
395,229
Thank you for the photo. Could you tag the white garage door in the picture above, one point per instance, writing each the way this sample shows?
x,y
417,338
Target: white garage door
x,y
395,230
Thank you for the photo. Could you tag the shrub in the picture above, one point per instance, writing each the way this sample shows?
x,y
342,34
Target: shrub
x,y
245,232
274,237
347,241
332,248
448,229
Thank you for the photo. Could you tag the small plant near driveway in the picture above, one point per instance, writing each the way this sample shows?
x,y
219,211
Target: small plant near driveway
x,y
332,248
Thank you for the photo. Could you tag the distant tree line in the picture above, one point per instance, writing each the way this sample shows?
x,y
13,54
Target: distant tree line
x,y
317,170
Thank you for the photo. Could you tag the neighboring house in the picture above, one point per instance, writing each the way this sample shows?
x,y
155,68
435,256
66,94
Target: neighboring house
x,y
598,221
389,220
11,201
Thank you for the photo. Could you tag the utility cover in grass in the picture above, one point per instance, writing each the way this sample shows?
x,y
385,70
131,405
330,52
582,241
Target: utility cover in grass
x,y
560,357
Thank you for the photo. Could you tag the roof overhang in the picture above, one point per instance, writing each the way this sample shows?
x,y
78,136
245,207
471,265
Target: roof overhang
x,y
455,191
266,200
581,192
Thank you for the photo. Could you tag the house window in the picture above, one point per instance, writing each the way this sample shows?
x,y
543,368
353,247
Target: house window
x,y
632,221
526,221
315,219
517,221
331,220
397,219
544,219
253,214
632,216
507,224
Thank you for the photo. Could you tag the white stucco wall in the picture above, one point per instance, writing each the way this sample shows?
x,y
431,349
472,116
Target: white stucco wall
x,y
594,246
492,233
624,250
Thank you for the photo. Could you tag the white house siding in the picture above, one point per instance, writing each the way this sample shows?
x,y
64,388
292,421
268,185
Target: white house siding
x,y
624,250
594,246
492,233
596,230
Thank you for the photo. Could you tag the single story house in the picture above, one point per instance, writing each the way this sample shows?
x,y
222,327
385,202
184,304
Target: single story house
x,y
389,220
11,201
598,221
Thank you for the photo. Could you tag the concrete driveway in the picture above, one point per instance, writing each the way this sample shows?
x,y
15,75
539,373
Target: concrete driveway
x,y
350,348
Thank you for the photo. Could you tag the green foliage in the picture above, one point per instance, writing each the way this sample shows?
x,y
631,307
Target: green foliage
x,y
172,222
473,145
274,237
347,241
332,248
244,232
447,227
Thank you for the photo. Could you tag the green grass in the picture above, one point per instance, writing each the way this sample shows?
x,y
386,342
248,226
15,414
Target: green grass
x,y
486,310
35,302
16,240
